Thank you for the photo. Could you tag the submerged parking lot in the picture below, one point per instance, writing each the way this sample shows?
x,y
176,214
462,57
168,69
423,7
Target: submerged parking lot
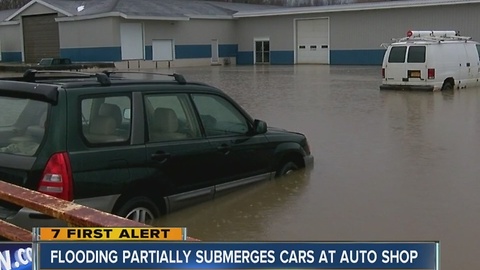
x,y
389,165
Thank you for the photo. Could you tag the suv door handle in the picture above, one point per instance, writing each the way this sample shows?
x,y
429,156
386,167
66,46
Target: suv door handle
x,y
161,157
224,148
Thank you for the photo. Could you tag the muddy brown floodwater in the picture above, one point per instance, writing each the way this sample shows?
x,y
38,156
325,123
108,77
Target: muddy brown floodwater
x,y
389,165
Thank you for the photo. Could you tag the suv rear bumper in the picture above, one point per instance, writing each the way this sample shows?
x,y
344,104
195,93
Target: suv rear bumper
x,y
28,218
407,87
308,161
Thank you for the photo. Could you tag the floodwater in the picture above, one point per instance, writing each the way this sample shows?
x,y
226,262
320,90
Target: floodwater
x,y
389,165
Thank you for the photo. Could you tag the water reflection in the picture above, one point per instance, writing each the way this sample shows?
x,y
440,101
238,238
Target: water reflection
x,y
245,213
390,165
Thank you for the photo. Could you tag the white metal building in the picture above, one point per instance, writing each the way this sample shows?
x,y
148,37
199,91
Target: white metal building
x,y
347,34
152,33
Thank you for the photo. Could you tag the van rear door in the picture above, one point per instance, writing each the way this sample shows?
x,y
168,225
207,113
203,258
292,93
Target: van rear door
x,y
395,64
416,72
405,65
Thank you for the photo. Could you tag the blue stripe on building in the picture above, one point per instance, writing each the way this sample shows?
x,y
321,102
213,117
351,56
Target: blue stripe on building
x,y
11,56
245,58
193,51
281,58
337,57
92,54
227,50
356,57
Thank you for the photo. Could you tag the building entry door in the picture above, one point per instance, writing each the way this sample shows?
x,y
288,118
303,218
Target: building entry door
x,y
262,51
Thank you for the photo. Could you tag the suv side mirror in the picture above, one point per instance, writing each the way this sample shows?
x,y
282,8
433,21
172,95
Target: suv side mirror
x,y
259,126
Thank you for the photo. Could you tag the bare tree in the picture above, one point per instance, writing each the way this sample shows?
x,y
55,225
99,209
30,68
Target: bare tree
x,y
303,3
12,4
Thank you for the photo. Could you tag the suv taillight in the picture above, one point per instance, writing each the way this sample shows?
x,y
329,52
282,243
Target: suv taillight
x,y
383,73
431,73
57,177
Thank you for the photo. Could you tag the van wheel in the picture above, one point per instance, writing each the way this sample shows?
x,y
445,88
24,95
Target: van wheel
x,y
447,86
140,209
286,169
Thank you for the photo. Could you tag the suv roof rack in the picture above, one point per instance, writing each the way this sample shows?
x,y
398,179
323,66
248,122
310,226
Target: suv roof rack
x,y
30,75
103,77
178,77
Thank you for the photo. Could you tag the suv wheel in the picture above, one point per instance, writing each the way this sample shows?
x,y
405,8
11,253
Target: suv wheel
x,y
287,168
140,209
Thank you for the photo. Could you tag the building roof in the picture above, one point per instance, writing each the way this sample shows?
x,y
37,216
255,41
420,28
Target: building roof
x,y
200,9
351,7
144,9
4,14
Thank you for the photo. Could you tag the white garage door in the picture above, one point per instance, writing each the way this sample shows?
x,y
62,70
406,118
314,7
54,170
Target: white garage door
x,y
312,41
131,38
162,49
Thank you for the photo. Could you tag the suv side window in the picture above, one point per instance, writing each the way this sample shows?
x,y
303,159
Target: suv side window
x,y
170,117
397,54
103,121
219,117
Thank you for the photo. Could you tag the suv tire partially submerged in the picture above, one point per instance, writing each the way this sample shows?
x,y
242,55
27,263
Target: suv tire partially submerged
x,y
140,208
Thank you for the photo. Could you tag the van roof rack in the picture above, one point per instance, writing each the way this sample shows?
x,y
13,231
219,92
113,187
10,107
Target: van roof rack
x,y
178,77
30,75
432,36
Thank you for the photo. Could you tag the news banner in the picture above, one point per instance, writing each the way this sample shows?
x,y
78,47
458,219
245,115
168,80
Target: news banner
x,y
169,248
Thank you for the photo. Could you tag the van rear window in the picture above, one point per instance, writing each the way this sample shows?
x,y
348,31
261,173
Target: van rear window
x,y
416,54
478,50
397,54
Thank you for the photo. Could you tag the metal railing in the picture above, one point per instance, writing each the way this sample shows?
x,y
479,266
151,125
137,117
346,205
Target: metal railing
x,y
74,214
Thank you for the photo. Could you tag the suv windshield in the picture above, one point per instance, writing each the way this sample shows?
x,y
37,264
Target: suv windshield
x,y
22,125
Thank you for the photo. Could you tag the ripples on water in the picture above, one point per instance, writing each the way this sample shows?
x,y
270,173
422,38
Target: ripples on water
x,y
389,165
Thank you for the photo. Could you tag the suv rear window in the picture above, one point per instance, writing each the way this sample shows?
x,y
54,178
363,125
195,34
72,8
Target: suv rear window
x,y
22,125
416,54
397,54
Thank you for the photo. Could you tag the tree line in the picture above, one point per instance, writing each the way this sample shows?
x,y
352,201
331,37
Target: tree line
x,y
14,4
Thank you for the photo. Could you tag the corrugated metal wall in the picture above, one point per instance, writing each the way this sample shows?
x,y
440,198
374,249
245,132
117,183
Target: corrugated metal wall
x,y
356,36
368,29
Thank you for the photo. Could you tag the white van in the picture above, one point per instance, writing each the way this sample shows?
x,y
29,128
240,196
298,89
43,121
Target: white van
x,y
431,60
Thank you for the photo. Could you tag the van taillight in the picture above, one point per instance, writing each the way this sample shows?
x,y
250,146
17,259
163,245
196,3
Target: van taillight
x,y
431,73
383,73
57,177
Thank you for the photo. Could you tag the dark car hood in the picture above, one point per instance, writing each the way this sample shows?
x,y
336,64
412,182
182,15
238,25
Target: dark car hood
x,y
280,130
274,131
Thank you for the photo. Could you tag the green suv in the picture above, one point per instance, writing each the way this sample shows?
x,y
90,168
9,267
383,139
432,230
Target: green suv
x,y
134,148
